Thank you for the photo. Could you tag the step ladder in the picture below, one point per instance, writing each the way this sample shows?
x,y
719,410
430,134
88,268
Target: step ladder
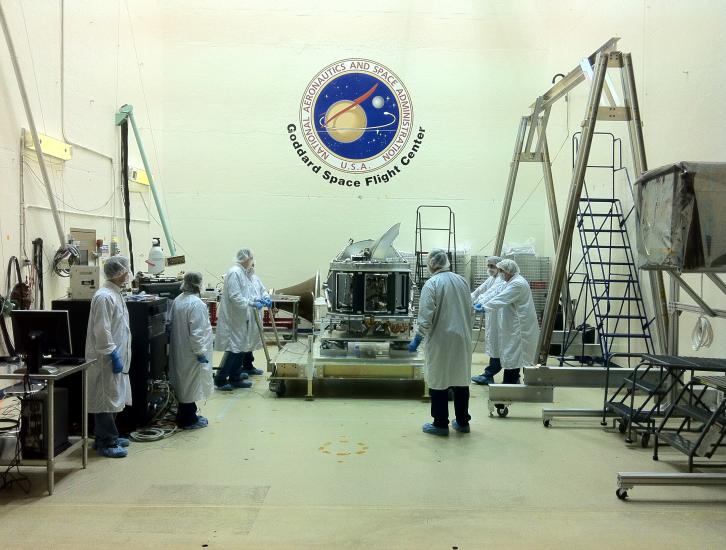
x,y
612,278
421,273
701,431
606,273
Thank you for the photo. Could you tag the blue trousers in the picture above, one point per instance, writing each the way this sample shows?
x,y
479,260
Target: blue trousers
x,y
105,430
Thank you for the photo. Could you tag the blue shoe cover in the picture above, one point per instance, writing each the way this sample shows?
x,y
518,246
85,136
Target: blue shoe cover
x,y
120,442
113,452
198,424
253,371
429,428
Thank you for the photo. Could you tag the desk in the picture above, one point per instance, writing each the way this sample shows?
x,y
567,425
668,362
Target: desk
x,y
7,372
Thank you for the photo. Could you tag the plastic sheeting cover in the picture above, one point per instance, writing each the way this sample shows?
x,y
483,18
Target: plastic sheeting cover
x,y
679,227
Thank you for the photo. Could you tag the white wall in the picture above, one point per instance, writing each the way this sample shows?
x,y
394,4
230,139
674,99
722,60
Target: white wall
x,y
222,79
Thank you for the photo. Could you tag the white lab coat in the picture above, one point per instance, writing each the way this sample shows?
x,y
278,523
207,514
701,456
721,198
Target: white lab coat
x,y
260,290
236,328
108,329
492,319
191,335
444,320
519,328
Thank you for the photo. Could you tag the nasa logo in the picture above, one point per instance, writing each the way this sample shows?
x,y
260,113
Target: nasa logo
x,y
356,115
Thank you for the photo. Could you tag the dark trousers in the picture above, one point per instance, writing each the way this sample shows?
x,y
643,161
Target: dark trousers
x,y
186,414
229,368
495,365
105,430
511,376
440,406
247,359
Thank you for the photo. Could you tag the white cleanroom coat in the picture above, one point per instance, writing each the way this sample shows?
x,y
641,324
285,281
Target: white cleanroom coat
x,y
444,320
108,329
260,290
191,335
492,319
519,328
236,328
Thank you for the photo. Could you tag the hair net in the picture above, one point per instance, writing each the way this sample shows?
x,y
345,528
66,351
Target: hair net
x,y
493,260
508,266
116,266
243,255
192,282
438,260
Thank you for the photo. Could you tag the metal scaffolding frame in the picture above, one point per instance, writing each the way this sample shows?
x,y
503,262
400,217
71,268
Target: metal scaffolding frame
x,y
533,132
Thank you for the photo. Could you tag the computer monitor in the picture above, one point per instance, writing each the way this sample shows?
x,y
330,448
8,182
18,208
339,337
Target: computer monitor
x,y
38,332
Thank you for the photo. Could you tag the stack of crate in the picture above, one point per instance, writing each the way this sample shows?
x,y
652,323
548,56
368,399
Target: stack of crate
x,y
478,271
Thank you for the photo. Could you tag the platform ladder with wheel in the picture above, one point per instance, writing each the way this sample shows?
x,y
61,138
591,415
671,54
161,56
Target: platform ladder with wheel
x,y
421,272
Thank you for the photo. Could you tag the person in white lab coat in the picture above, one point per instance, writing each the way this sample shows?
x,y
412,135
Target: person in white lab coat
x,y
190,352
261,296
108,341
445,324
492,321
519,330
237,332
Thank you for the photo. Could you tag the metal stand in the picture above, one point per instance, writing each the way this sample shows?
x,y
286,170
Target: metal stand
x,y
628,480
531,146
7,372
536,123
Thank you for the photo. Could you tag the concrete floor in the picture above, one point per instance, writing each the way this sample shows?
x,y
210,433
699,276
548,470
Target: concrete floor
x,y
353,470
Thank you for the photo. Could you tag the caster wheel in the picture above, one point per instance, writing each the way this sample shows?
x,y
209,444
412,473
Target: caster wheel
x,y
502,411
622,494
546,423
644,440
622,426
280,389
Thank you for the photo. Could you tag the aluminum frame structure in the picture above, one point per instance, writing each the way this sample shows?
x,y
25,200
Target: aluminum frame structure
x,y
534,126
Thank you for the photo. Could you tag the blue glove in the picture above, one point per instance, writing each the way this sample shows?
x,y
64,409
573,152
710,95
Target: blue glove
x,y
258,304
478,308
201,358
267,302
415,343
116,364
